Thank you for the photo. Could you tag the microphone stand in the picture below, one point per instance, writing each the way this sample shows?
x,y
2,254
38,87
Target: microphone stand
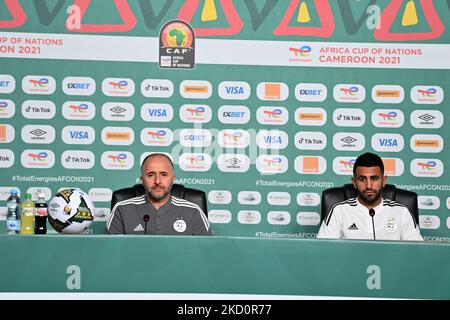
x,y
146,218
372,213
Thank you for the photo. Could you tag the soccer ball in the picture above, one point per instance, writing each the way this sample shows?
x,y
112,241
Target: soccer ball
x,y
70,211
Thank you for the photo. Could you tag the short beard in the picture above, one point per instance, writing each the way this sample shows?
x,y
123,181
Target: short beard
x,y
369,201
157,198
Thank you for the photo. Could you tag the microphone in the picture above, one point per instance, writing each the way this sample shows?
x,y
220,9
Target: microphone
x,y
146,218
372,213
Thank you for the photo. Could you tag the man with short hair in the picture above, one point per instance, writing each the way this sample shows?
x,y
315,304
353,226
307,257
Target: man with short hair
x,y
157,211
369,216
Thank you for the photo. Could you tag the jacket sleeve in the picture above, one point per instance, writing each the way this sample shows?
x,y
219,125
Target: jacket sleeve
x,y
331,227
409,228
201,224
115,222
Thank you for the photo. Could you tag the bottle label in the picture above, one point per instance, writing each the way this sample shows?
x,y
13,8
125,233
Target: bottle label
x,y
12,205
41,212
27,211
13,225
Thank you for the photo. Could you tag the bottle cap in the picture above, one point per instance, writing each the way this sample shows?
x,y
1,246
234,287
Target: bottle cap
x,y
14,191
28,196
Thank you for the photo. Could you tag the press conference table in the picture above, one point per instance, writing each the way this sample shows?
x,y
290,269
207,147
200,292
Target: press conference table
x,y
223,265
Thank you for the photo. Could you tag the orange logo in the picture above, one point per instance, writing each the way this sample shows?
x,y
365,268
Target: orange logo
x,y
2,133
390,167
310,164
272,91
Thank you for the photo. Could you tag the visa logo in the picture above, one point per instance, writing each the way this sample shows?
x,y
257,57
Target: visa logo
x,y
157,112
388,142
234,90
272,139
79,135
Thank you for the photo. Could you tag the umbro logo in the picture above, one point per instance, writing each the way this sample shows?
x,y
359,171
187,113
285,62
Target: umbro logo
x,y
353,227
349,140
139,228
118,109
38,132
233,161
426,117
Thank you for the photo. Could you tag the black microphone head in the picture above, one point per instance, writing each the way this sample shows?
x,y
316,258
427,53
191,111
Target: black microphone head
x,y
371,212
146,218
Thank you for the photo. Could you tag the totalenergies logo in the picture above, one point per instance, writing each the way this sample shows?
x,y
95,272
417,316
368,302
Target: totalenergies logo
x,y
123,87
304,51
235,136
157,135
349,91
119,158
428,166
428,93
198,111
274,114
41,83
432,168
119,85
81,108
41,156
390,116
348,164
273,163
196,160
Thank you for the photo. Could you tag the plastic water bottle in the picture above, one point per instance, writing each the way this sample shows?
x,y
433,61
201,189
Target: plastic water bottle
x,y
13,215
27,215
40,223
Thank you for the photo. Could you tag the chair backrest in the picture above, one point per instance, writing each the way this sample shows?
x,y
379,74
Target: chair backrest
x,y
196,196
334,195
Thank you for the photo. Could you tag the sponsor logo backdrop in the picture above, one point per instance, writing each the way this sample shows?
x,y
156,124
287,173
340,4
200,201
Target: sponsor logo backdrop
x,y
283,97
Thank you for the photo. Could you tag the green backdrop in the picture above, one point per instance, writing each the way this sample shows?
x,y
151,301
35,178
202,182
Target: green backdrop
x,y
109,40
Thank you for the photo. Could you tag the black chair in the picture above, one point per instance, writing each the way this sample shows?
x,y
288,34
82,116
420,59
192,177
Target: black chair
x,y
334,195
196,196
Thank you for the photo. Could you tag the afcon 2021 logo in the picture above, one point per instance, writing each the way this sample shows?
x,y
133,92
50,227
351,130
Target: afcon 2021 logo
x,y
177,34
